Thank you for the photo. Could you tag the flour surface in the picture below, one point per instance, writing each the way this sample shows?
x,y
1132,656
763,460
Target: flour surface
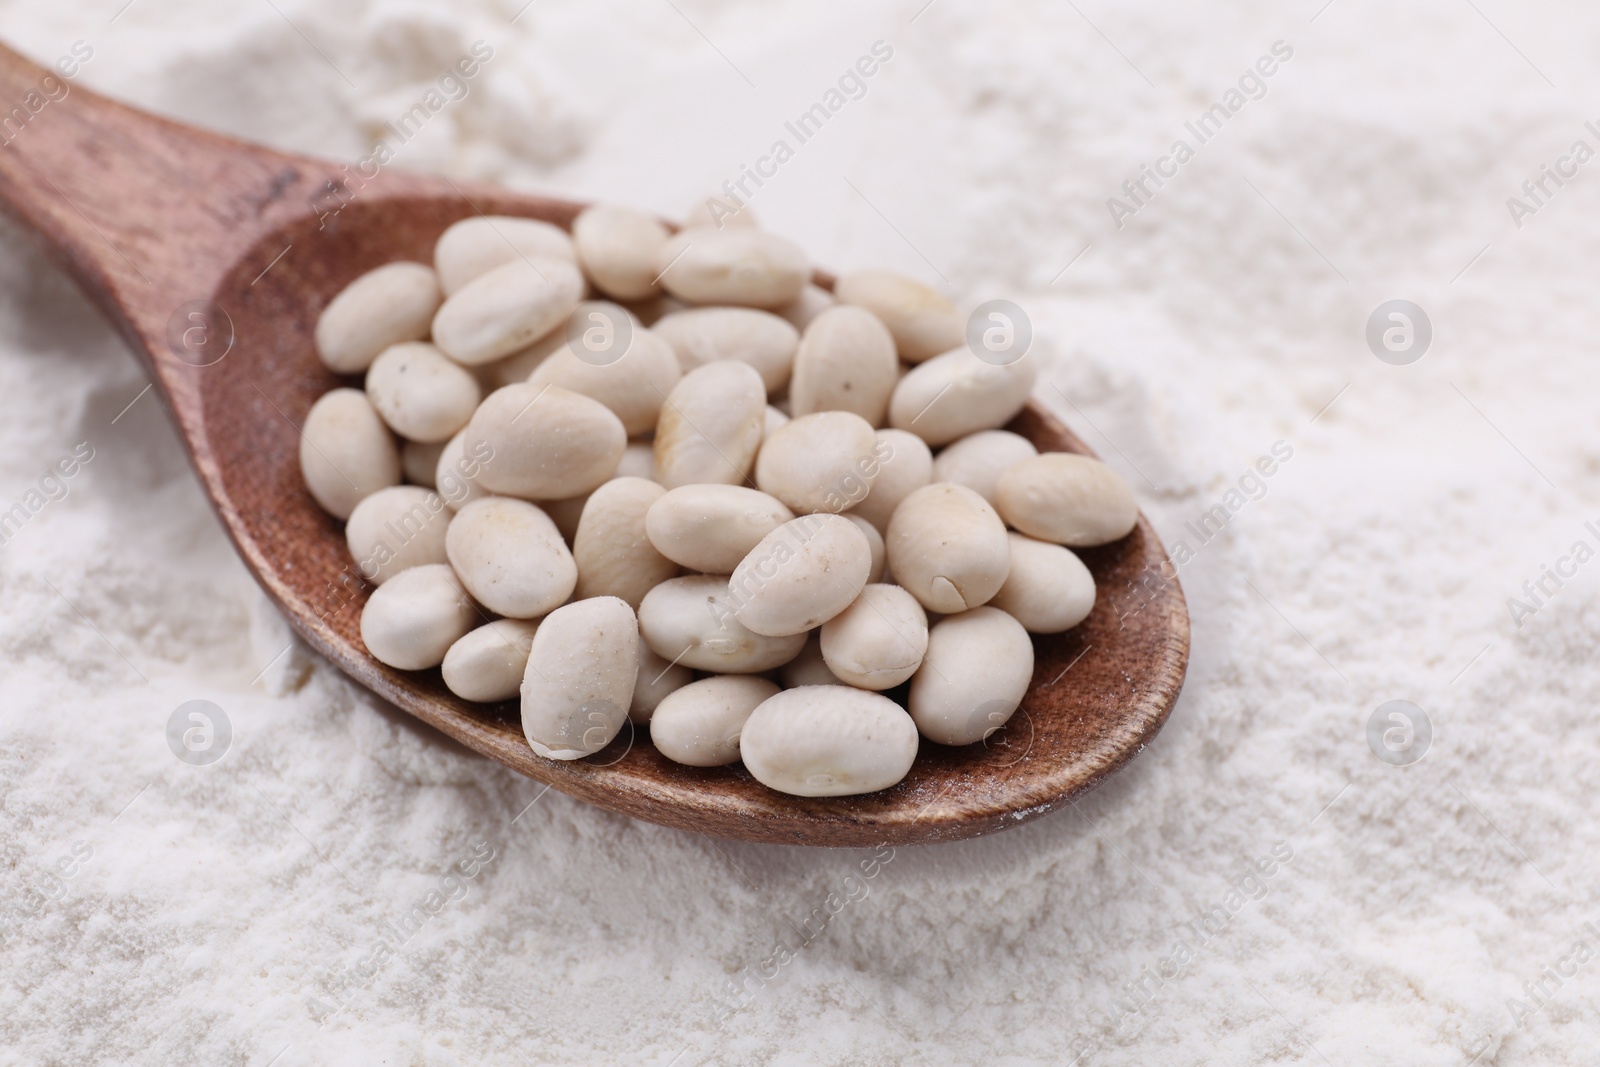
x,y
1256,888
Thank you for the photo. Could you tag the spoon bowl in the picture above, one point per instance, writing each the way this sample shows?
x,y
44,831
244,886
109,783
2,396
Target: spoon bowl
x,y
214,258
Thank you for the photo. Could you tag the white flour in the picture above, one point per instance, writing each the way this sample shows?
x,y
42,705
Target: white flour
x,y
157,912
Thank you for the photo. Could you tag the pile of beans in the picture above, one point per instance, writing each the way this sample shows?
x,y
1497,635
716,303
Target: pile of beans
x,y
637,475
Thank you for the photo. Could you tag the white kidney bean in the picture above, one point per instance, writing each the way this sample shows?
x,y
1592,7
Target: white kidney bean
x,y
923,322
811,302
410,622
1066,498
879,640
702,215
618,248
657,678
905,464
346,451
474,246
580,678
957,393
547,443
846,362
634,386
397,528
699,725
948,548
650,312
710,528
487,664
750,268
1048,590
456,476
519,366
974,676
419,462
711,426
880,553
800,575
613,554
421,393
506,309
690,620
828,741
708,335
394,303
567,513
978,460
808,668
825,461
511,557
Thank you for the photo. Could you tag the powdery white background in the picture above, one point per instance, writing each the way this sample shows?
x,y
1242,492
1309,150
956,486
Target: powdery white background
x,y
216,902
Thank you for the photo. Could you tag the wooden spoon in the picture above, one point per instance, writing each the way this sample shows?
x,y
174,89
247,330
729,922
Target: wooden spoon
x,y
214,258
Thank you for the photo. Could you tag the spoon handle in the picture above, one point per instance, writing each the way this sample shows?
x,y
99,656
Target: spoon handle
x,y
139,209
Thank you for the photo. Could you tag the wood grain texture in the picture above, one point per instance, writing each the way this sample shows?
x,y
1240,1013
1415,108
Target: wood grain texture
x,y
155,219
